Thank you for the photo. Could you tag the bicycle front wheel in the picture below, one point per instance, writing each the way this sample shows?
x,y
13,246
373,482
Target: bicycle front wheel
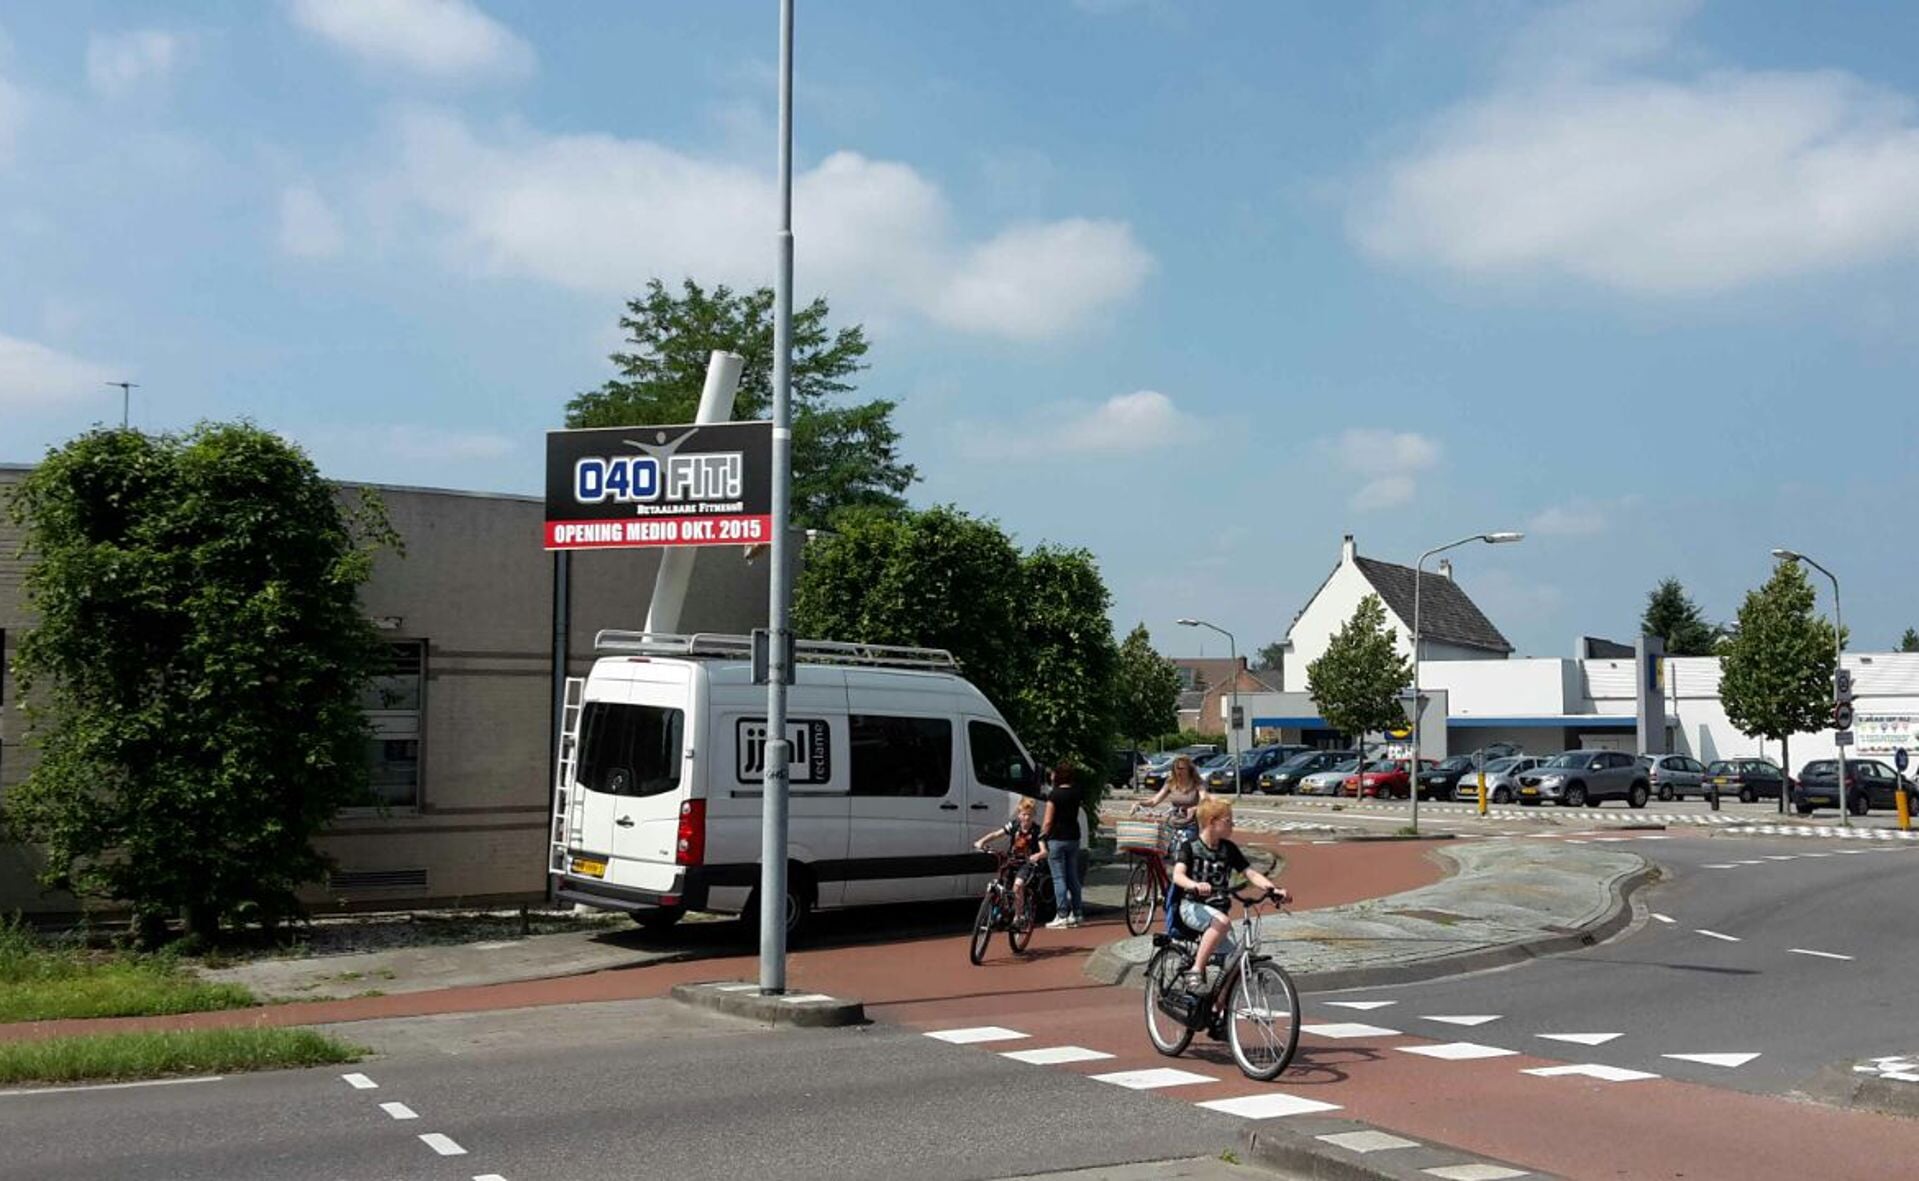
x,y
1142,897
1019,932
1169,1035
982,929
1263,1027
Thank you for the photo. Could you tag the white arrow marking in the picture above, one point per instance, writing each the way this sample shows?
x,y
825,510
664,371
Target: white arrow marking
x,y
1727,1060
1584,1039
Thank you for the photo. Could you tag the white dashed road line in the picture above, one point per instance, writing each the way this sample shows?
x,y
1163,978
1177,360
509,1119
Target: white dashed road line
x,y
1716,935
399,1111
360,1082
442,1144
157,1082
1664,918
1824,955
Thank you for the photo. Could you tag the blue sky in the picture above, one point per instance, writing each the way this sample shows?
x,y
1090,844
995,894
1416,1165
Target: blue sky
x,y
1199,286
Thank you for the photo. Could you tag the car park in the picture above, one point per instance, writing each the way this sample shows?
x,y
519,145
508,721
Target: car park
x,y
1284,778
1329,781
1582,777
1748,779
1674,776
1869,784
1502,779
1384,779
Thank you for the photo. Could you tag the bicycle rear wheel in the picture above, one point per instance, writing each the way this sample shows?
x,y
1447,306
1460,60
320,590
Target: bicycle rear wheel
x,y
1142,897
1019,932
1168,1035
1263,1025
982,928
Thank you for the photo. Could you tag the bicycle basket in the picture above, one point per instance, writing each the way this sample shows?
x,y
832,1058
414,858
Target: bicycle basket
x,y
1140,836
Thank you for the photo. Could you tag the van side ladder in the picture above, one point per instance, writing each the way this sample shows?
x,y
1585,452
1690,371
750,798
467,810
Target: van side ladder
x,y
567,803
736,647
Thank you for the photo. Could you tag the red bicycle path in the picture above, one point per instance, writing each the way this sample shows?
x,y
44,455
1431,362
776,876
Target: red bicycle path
x,y
1571,1126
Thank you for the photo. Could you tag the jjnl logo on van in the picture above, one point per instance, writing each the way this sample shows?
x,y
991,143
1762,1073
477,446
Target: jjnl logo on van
x,y
659,486
810,762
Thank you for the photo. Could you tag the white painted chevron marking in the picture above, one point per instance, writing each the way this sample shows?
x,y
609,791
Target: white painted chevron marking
x,y
1609,1074
1458,1051
1348,1029
1474,1020
1726,1060
1583,1039
1362,1004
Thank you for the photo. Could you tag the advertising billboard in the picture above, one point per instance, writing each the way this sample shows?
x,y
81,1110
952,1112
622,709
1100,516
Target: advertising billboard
x,y
616,487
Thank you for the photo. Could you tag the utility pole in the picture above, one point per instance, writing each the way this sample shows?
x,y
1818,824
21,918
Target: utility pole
x,y
126,399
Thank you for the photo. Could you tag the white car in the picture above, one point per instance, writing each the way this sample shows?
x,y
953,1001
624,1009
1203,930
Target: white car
x,y
1502,780
1329,782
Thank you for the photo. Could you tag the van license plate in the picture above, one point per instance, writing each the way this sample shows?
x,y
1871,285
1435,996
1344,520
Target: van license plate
x,y
589,869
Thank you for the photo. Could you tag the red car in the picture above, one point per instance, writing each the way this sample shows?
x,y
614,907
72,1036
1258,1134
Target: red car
x,y
1386,779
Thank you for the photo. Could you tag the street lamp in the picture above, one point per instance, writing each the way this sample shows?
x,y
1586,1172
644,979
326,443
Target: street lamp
x,y
1232,719
1838,646
1415,701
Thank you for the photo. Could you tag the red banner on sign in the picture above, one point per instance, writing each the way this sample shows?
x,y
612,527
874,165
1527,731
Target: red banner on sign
x,y
627,532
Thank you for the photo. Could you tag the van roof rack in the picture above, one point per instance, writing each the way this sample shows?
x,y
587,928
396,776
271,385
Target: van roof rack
x,y
737,647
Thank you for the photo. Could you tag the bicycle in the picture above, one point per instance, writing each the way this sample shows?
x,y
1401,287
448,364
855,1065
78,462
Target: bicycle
x,y
1149,881
1260,1019
997,912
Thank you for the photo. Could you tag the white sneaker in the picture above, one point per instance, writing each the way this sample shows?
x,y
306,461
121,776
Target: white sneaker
x,y
1076,920
1060,923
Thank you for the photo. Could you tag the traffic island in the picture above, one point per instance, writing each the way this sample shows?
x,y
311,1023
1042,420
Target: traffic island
x,y
738,998
1506,901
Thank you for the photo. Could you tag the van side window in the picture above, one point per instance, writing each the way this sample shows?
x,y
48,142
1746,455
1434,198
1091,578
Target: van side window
x,y
994,756
894,756
630,750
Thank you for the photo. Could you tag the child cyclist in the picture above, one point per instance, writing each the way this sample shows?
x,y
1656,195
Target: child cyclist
x,y
1203,868
1025,847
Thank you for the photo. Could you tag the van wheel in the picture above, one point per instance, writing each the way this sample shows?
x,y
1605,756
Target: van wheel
x,y
660,918
799,906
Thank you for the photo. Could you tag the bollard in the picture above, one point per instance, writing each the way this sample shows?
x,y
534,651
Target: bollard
x,y
1713,795
1482,791
1905,808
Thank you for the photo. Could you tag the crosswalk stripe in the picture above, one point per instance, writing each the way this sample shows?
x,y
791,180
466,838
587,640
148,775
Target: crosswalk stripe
x,y
978,1033
1270,1105
1153,1079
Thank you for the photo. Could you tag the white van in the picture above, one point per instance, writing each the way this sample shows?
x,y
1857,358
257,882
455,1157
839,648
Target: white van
x,y
898,766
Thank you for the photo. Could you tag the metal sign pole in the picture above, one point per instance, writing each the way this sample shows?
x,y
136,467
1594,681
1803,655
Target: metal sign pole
x,y
773,884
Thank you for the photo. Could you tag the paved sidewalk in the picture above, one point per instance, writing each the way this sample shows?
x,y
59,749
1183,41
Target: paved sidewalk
x,y
1508,900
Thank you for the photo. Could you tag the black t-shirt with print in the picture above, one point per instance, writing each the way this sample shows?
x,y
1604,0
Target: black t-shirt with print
x,y
1022,841
1214,866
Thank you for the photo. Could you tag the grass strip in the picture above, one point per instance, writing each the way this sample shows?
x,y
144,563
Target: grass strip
x,y
123,1057
43,982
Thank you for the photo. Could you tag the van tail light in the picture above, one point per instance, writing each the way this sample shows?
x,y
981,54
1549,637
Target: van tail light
x,y
689,846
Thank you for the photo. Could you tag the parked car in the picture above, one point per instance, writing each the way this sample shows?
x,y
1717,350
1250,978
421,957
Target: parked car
x,y
1674,776
1869,784
1284,778
1749,779
1329,781
1447,774
1153,775
1581,777
1385,779
1502,779
1251,763
1124,766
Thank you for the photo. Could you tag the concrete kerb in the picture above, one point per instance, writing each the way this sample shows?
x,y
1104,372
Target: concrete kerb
x,y
1122,962
1300,1148
739,998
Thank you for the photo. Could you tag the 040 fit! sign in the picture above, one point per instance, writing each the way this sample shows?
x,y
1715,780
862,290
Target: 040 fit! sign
x,y
660,486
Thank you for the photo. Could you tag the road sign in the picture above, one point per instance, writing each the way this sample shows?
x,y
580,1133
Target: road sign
x,y
1842,716
1901,760
1842,738
1842,686
1239,717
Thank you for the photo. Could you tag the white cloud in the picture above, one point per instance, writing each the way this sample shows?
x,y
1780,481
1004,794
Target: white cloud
x,y
444,40
1579,518
119,63
597,213
13,115
1386,463
1124,424
33,375
308,226
412,442
1580,163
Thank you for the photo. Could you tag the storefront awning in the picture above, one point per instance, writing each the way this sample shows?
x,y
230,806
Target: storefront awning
x,y
1290,724
1553,721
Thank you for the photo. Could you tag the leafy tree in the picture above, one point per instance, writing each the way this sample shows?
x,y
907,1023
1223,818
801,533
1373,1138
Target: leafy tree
x,y
194,679
1775,671
1145,690
1271,656
843,455
1029,630
1910,641
1356,681
1672,616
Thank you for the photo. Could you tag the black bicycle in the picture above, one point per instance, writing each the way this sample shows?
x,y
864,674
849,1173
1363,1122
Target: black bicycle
x,y
998,913
1252,1006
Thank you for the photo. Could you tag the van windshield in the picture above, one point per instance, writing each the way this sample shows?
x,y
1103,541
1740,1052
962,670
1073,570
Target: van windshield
x,y
630,750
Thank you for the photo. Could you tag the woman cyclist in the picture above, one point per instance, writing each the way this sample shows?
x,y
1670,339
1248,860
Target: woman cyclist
x,y
1181,794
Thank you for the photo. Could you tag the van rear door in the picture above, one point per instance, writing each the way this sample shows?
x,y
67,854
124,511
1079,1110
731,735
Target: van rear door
x,y
632,765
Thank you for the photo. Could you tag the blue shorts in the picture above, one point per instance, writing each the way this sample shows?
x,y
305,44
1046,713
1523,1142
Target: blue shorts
x,y
1198,916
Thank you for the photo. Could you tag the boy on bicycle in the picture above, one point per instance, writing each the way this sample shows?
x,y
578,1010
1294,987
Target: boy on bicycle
x,y
1025,847
1203,869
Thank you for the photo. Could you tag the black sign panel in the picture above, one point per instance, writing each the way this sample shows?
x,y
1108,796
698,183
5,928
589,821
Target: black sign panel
x,y
811,760
660,486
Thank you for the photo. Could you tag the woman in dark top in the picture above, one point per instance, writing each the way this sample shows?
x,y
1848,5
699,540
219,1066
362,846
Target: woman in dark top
x,y
1062,844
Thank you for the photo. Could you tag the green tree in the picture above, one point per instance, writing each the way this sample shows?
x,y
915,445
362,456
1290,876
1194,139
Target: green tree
x,y
844,456
1910,641
1145,690
1030,631
1672,616
1356,681
1775,670
194,678
1271,656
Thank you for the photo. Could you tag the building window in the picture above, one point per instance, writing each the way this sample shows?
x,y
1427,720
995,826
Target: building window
x,y
894,756
393,702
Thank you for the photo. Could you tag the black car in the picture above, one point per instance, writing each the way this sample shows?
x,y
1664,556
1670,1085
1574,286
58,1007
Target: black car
x,y
1251,763
1749,779
1869,784
1283,778
1438,783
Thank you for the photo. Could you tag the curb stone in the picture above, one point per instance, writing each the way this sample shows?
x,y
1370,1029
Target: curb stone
x,y
1300,1148
739,998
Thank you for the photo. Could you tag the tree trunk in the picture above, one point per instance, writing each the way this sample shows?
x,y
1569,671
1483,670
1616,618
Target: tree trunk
x,y
149,930
203,921
1785,772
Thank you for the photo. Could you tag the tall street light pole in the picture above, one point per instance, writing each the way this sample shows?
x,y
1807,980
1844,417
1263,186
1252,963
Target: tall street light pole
x,y
1838,647
126,399
1232,718
1417,710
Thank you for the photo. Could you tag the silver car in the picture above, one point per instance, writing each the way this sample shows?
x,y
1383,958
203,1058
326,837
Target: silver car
x,y
1328,782
1672,776
1502,780
1581,777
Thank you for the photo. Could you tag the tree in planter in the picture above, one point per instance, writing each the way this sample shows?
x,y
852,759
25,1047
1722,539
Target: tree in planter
x,y
1145,690
1775,669
844,456
1356,682
1672,616
194,679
